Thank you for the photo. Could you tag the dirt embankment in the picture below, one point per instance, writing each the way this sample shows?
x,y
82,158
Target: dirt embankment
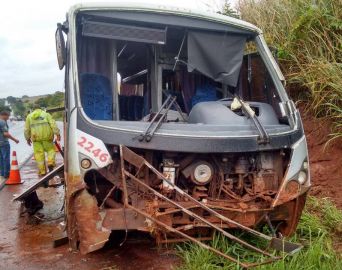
x,y
325,159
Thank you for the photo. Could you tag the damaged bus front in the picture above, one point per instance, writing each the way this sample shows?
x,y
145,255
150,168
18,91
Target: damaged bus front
x,y
178,124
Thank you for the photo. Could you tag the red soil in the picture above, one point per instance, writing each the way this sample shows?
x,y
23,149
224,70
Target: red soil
x,y
325,159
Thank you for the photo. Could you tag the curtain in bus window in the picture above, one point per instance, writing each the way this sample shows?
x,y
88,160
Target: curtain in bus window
x,y
216,55
95,57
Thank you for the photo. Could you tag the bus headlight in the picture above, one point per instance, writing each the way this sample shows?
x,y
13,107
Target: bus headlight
x,y
202,173
85,163
302,177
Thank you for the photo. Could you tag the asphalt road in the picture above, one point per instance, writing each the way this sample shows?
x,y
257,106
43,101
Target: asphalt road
x,y
24,151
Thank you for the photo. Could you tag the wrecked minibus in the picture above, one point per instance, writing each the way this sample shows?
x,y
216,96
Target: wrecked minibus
x,y
177,123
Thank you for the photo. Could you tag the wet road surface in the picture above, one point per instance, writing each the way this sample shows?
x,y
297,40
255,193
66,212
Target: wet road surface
x,y
27,243
24,151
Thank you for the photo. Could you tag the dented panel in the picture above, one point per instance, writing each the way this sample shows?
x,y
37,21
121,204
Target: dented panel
x,y
296,180
89,223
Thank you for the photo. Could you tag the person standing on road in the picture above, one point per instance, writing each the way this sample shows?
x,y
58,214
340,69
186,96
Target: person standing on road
x,y
40,129
5,150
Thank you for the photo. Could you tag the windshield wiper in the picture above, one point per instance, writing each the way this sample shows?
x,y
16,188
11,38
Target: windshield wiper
x,y
264,138
148,133
176,106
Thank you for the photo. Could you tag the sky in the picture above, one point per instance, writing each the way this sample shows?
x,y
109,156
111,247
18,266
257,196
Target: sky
x,y
28,62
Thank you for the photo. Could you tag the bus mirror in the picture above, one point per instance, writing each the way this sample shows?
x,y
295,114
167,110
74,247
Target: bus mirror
x,y
60,46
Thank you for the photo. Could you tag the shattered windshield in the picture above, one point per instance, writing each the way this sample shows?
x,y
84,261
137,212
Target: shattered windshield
x,y
129,75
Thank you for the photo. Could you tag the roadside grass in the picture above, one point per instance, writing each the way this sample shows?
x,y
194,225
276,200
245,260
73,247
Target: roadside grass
x,y
308,36
320,224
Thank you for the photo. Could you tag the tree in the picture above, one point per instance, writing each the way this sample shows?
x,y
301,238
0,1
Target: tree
x,y
4,108
228,10
42,102
11,100
19,108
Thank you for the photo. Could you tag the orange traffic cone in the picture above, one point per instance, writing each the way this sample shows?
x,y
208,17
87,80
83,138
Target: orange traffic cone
x,y
14,177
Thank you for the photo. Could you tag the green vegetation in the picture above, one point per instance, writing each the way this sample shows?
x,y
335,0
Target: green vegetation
x,y
320,223
308,35
18,108
50,102
3,107
22,106
228,10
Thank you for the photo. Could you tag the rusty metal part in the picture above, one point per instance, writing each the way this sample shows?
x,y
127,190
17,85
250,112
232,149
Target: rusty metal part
x,y
130,157
74,183
266,181
60,241
107,196
204,221
172,230
183,235
83,219
180,240
113,204
294,210
173,211
127,155
200,192
287,192
115,220
181,219
93,236
229,192
112,173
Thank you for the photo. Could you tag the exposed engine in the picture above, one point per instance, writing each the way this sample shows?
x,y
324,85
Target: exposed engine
x,y
231,181
229,177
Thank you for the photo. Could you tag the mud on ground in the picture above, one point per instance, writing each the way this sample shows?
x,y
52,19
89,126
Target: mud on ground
x,y
325,159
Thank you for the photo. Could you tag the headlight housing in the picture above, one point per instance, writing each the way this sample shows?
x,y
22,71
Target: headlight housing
x,y
202,173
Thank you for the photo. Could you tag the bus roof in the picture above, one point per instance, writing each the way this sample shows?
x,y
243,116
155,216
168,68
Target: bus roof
x,y
166,9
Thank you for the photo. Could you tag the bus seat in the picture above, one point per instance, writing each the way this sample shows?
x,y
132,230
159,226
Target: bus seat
x,y
96,96
204,93
131,107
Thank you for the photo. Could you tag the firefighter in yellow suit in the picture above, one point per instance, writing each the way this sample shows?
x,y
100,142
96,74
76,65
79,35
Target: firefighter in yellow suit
x,y
40,129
